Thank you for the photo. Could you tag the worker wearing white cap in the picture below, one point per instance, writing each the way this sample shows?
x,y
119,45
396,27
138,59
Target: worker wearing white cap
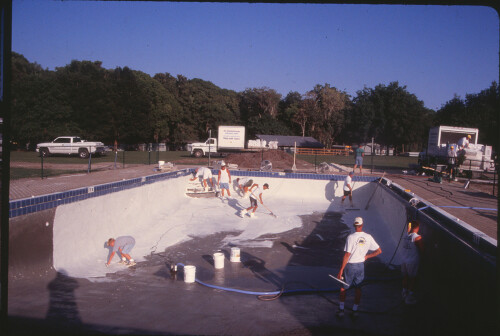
x,y
356,249
223,179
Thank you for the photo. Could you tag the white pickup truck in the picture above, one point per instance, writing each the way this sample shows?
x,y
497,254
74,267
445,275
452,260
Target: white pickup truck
x,y
70,145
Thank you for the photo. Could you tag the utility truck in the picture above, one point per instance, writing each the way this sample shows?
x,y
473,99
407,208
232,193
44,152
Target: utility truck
x,y
70,145
229,139
475,157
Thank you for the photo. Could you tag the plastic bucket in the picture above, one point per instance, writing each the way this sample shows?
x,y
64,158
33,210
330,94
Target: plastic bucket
x,y
219,260
160,163
235,254
189,273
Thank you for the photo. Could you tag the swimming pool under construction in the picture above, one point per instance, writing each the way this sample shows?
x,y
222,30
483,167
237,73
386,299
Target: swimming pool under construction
x,y
280,285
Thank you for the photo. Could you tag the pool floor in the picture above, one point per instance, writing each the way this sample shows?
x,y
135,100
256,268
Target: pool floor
x,y
150,300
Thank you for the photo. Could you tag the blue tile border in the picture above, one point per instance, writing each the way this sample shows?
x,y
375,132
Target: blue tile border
x,y
39,203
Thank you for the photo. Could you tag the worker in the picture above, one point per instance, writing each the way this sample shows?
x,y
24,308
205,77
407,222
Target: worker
x,y
464,142
355,253
205,174
223,179
255,197
123,245
412,250
244,183
452,161
348,188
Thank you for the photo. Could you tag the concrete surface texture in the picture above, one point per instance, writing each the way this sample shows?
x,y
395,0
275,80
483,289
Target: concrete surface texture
x,y
161,215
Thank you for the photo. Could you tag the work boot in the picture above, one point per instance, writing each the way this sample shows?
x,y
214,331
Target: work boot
x,y
252,215
243,212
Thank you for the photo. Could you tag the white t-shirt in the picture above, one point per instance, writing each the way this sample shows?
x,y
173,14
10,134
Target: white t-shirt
x,y
358,244
410,250
463,142
224,176
348,180
243,180
256,192
204,172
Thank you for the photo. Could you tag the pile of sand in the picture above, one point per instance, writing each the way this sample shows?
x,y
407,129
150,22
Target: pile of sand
x,y
278,158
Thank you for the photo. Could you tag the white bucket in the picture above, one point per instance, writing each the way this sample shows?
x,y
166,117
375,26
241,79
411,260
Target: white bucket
x,y
160,163
219,260
189,273
235,254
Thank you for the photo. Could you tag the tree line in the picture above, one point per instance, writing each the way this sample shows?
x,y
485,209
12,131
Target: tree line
x,y
129,106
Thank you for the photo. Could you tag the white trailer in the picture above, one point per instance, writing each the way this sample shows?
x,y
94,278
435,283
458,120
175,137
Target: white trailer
x,y
477,157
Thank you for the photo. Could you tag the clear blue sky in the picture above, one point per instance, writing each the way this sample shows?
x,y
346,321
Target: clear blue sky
x,y
436,51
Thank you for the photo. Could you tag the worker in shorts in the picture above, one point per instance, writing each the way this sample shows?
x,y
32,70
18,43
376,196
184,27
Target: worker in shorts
x,y
359,154
205,174
356,249
244,183
348,188
223,179
412,249
255,197
123,245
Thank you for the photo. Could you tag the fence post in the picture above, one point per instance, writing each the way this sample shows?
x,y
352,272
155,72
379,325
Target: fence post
x,y
41,158
90,163
116,156
494,180
123,158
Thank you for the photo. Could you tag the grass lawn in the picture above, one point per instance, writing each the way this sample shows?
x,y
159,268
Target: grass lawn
x,y
132,157
380,163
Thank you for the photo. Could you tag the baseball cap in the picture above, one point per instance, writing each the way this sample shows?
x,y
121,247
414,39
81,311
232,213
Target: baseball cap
x,y
469,136
222,164
351,173
358,221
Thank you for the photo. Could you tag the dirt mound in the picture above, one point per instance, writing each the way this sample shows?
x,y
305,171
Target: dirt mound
x,y
278,158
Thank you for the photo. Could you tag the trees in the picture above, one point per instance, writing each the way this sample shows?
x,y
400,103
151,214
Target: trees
x,y
328,116
391,115
477,110
82,98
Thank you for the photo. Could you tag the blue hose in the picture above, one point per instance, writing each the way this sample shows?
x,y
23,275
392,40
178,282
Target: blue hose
x,y
280,292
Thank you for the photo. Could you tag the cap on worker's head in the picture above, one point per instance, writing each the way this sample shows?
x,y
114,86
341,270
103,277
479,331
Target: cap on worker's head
x,y
452,146
351,173
358,221
222,164
266,185
468,135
